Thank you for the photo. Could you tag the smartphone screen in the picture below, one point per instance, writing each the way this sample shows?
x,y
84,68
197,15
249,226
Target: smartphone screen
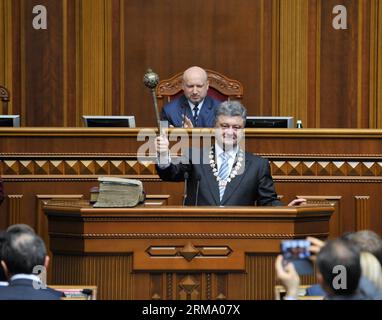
x,y
297,252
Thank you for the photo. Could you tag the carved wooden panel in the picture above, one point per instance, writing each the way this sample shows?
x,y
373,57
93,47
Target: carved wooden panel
x,y
362,211
261,279
335,225
41,220
15,209
35,161
193,286
292,166
111,273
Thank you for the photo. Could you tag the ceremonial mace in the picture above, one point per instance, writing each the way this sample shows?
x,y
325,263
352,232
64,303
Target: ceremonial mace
x,y
151,80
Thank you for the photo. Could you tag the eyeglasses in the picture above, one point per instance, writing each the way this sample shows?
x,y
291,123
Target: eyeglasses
x,y
225,126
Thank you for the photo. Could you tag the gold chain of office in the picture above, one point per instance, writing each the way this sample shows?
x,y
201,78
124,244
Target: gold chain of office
x,y
234,170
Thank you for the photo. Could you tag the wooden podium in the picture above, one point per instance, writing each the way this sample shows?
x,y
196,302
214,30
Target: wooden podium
x,y
168,252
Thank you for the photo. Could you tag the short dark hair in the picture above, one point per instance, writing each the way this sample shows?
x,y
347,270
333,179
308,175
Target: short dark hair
x,y
368,241
22,252
20,228
231,108
339,252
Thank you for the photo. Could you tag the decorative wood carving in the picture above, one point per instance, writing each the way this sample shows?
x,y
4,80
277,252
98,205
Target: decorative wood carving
x,y
229,87
112,280
188,251
161,276
15,209
37,168
362,210
189,288
4,94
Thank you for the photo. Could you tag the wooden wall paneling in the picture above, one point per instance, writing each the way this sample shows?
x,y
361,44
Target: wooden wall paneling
x,y
67,161
117,52
65,70
115,274
70,30
375,120
210,38
262,279
157,287
275,57
41,221
294,59
80,235
16,66
362,213
108,49
42,62
222,286
335,224
379,66
3,37
41,226
266,34
6,49
363,64
78,62
15,209
206,286
373,63
339,66
314,41
94,19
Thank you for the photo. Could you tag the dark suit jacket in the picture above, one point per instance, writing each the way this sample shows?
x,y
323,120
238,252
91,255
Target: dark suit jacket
x,y
366,291
173,112
22,289
253,186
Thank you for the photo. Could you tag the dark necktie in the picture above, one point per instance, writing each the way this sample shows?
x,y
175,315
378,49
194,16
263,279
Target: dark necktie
x,y
195,111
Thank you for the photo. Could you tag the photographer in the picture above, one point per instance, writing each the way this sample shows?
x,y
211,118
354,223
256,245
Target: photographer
x,y
338,253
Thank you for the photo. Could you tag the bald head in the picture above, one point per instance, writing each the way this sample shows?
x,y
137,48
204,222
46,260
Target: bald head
x,y
195,84
193,72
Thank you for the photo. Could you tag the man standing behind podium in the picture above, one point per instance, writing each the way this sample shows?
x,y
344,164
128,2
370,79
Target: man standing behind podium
x,y
224,175
194,108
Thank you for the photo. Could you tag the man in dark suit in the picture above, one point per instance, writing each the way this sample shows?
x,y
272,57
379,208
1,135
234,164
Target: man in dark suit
x,y
194,108
23,257
223,175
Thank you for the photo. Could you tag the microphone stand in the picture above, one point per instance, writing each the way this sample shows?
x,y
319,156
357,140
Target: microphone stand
x,y
197,189
185,188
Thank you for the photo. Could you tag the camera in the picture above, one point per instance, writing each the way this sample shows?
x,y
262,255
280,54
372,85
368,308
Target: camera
x,y
297,252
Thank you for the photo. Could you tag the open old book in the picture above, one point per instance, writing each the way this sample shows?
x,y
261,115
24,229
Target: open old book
x,y
119,192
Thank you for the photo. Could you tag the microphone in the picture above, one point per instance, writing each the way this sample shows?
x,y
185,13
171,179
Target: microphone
x,y
185,188
198,177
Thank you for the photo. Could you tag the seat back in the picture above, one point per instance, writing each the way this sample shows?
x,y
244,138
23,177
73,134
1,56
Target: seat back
x,y
221,88
77,292
280,293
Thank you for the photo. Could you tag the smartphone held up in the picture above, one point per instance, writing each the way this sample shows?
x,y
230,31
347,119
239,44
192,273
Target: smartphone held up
x,y
297,252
